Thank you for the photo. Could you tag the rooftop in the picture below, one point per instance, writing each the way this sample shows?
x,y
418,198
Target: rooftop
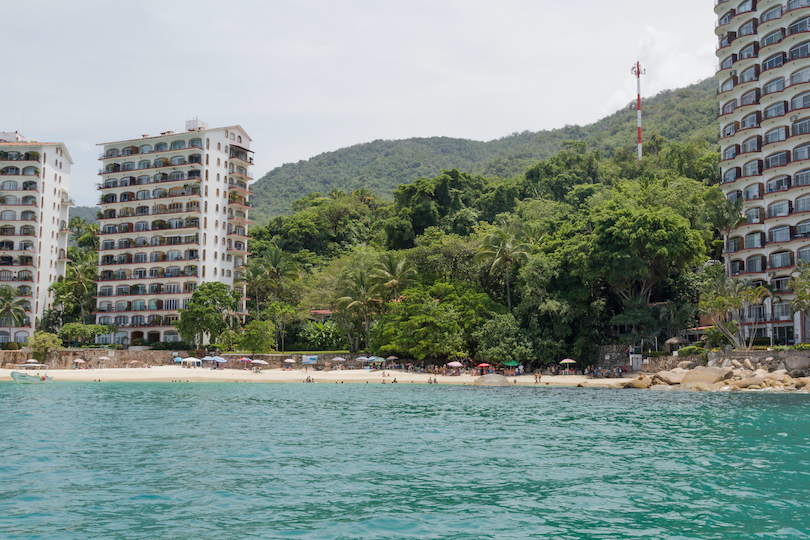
x,y
177,133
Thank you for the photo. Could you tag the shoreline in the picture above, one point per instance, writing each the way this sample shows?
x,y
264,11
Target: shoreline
x,y
354,376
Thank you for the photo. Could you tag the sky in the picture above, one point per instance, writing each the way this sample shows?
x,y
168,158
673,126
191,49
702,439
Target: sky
x,y
310,76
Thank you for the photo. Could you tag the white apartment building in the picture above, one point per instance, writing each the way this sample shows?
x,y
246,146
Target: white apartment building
x,y
34,204
764,98
174,215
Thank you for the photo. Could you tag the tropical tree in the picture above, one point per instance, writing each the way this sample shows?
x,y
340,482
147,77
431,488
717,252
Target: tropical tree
x,y
278,267
12,308
722,300
256,278
282,314
357,297
393,273
724,215
258,337
503,249
43,342
754,297
800,283
208,312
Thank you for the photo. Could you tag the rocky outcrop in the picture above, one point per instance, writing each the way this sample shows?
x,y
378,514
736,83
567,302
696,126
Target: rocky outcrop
x,y
687,364
674,376
493,379
641,382
708,375
797,362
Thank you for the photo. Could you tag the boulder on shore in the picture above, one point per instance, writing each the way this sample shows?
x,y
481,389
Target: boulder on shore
x,y
687,364
748,365
708,375
745,383
493,379
669,377
797,362
642,382
699,386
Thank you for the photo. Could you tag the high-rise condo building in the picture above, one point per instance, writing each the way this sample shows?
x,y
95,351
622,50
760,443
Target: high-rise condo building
x,y
174,215
764,98
34,203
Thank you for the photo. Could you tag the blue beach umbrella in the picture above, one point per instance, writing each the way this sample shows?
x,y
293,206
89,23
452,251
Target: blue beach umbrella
x,y
178,359
207,358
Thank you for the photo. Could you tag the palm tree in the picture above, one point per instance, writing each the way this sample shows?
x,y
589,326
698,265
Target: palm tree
x,y
393,273
278,267
801,290
502,248
12,308
256,278
358,295
756,296
725,215
81,281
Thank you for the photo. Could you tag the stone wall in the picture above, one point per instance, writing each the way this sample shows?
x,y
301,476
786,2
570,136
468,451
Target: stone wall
x,y
611,356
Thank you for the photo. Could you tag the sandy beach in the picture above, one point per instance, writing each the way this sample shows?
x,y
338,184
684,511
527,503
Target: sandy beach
x,y
357,376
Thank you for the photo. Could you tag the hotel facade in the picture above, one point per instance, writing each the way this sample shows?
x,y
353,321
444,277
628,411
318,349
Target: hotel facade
x,y
764,99
174,215
34,204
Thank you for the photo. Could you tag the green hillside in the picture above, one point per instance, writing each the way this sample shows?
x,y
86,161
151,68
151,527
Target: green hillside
x,y
383,165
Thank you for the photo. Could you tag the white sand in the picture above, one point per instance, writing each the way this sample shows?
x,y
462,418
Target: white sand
x,y
176,373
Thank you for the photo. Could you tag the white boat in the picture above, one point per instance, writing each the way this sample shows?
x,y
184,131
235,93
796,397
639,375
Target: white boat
x,y
25,378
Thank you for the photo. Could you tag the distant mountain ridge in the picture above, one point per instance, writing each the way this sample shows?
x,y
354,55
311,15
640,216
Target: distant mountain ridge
x,y
382,165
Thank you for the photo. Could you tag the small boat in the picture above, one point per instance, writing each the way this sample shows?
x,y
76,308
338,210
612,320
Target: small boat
x,y
25,378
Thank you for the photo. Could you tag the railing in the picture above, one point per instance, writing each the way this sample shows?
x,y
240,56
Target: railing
x,y
152,213
21,157
150,198
135,293
136,152
115,170
164,180
183,259
183,243
155,229
162,276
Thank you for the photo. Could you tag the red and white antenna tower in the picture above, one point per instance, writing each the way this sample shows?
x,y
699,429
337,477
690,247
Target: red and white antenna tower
x,y
638,72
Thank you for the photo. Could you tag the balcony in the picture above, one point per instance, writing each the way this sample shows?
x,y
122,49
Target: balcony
x,y
133,182
130,277
153,212
166,194
116,169
128,261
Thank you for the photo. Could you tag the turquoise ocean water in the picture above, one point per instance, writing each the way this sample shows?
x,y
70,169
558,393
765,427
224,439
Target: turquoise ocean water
x,y
225,460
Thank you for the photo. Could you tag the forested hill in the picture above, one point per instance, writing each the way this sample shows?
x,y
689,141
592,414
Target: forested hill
x,y
383,165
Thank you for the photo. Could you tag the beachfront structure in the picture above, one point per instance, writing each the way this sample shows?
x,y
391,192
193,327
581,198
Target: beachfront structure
x,y
34,204
174,215
764,101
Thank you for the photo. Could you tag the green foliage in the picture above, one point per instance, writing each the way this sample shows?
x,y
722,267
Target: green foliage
x,y
677,115
11,346
501,339
43,342
211,311
171,346
323,336
689,350
258,337
80,333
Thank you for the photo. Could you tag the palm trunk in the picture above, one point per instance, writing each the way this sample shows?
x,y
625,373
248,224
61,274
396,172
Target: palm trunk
x,y
727,255
508,293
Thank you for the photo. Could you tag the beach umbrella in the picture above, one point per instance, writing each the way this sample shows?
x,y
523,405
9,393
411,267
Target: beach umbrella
x,y
105,358
219,360
178,359
338,359
189,359
392,358
454,364
135,362
363,358
261,362
245,359
511,363
31,361
568,361
483,365
79,361
289,361
207,358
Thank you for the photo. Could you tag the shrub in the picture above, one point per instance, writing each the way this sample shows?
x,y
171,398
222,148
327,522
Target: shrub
x,y
171,346
762,341
690,350
138,342
656,354
801,347
12,346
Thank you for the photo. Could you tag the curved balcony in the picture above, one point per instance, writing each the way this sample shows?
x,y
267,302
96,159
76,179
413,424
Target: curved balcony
x,y
135,152
130,277
131,182
165,194
152,167
151,248
165,261
111,214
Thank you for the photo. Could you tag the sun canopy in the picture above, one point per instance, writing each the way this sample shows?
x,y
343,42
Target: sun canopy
x,y
103,358
483,365
338,359
568,361
454,364
219,360
289,361
262,362
511,363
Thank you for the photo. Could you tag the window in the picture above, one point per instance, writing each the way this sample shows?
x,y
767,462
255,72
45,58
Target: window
x,y
777,109
195,143
749,75
775,135
728,153
773,37
161,147
776,85
801,152
800,51
170,304
128,166
727,85
804,254
747,29
178,160
779,234
773,13
748,5
780,260
751,168
753,240
781,310
779,184
749,98
749,121
178,145
802,178
753,216
752,192
776,160
750,145
729,130
799,26
801,76
754,264
773,62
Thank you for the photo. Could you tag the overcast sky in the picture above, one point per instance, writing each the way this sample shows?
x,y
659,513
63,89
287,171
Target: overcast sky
x,y
310,76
